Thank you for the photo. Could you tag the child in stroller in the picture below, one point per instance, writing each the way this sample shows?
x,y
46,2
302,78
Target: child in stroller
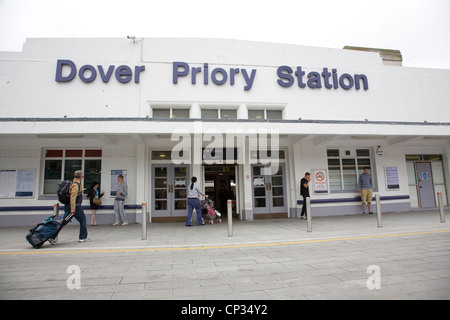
x,y
209,212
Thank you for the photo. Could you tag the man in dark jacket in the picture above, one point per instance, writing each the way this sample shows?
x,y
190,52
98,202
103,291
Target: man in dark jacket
x,y
304,192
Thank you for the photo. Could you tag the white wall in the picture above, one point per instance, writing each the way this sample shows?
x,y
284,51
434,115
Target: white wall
x,y
28,87
28,90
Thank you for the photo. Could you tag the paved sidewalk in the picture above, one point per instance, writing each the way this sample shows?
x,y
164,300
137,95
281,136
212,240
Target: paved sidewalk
x,y
264,259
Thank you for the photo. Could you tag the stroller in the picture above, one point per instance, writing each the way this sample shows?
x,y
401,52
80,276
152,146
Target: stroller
x,y
209,212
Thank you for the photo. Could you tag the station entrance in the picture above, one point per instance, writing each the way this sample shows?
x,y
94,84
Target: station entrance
x,y
221,185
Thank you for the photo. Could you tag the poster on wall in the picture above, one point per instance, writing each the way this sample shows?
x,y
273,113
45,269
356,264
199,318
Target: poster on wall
x,y
392,180
114,182
16,183
320,181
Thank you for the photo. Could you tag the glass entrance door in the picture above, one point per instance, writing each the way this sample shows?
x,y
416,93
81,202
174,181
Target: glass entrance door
x,y
169,193
269,194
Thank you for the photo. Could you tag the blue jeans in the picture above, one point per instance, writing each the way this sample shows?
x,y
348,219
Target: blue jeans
x,y
194,204
81,217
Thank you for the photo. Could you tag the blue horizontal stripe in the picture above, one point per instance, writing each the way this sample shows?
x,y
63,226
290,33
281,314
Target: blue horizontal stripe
x,y
355,199
48,208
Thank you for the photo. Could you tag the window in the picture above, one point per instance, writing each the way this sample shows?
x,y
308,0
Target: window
x,y
210,114
265,114
170,156
61,165
345,166
274,114
161,113
268,154
228,114
171,113
256,114
219,113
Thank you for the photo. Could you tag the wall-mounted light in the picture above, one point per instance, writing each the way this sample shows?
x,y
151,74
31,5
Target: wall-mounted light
x,y
379,151
134,39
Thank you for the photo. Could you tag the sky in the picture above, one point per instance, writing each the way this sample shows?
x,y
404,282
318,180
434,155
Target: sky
x,y
420,29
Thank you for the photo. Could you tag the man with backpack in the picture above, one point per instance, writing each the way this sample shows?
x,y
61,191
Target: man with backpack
x,y
72,208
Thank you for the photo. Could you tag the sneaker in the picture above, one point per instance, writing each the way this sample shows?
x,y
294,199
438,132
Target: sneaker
x,y
125,223
84,240
370,212
53,241
115,224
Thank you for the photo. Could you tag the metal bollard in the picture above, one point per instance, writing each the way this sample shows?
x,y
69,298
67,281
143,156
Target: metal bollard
x,y
378,200
229,218
56,209
441,207
144,221
308,214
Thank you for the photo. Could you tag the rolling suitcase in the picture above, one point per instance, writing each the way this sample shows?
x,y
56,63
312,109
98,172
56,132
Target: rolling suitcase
x,y
46,229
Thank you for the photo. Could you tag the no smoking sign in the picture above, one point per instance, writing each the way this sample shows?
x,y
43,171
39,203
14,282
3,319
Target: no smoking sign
x,y
320,182
320,176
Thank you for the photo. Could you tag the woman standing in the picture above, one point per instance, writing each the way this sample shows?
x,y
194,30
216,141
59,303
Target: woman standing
x,y
94,200
194,203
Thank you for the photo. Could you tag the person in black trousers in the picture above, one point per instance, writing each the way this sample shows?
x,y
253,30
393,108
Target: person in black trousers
x,y
304,192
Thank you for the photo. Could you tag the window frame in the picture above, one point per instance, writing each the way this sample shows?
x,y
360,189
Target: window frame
x,y
219,112
63,158
171,111
265,111
344,155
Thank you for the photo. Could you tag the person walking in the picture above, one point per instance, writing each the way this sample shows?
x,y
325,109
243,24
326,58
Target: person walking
x,y
304,192
194,192
94,200
74,207
121,193
365,184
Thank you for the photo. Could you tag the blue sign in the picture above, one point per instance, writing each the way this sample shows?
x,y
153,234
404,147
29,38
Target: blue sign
x,y
66,71
314,79
123,73
219,76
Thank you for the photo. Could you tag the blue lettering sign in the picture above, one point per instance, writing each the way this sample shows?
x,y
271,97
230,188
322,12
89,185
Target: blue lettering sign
x,y
281,73
91,77
219,76
59,67
314,79
66,71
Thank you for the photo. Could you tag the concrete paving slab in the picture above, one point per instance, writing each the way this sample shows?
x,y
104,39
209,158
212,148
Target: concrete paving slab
x,y
265,259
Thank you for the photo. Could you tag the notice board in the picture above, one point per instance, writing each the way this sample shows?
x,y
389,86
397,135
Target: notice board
x,y
17,183
392,179
114,182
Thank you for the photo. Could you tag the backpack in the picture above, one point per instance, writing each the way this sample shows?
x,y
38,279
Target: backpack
x,y
62,190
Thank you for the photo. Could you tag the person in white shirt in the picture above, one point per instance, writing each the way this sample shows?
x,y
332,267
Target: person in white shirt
x,y
194,192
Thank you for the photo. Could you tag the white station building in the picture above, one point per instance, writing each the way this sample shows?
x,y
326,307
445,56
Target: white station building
x,y
247,118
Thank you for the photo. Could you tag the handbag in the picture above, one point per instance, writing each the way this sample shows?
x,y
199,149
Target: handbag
x,y
97,201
